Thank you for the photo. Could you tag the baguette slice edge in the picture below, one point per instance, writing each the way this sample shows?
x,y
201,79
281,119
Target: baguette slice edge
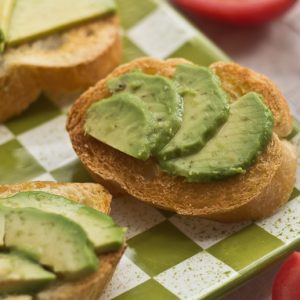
x,y
90,194
265,187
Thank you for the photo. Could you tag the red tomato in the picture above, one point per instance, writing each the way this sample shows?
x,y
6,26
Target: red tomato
x,y
286,285
242,12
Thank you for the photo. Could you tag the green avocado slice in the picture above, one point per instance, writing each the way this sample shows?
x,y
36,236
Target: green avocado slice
x,y
101,230
50,239
160,96
20,275
6,10
235,147
35,18
2,228
205,110
124,123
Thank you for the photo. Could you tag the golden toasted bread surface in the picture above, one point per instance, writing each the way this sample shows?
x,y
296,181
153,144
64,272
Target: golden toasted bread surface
x,y
60,64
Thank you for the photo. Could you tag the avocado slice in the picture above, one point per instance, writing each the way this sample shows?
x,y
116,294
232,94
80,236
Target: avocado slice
x,y
2,228
35,18
18,275
6,10
101,230
160,96
235,147
205,110
124,123
52,240
2,41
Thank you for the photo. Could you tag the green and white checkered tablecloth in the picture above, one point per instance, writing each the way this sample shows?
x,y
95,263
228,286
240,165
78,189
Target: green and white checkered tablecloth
x,y
168,256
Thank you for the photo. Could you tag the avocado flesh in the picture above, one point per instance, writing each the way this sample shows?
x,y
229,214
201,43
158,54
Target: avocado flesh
x,y
2,41
124,123
205,110
6,10
100,228
35,18
233,149
18,275
2,228
160,96
52,240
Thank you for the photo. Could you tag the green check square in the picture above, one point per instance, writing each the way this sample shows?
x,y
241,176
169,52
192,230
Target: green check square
x,y
131,51
131,12
148,290
200,51
159,248
38,113
245,247
17,164
295,194
72,172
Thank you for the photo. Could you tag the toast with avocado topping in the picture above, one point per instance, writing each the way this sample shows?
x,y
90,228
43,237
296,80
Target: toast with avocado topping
x,y
255,176
60,63
36,208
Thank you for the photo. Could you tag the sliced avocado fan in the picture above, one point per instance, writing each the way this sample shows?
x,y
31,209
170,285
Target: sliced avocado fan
x,y
233,149
101,230
213,141
6,11
205,110
160,96
50,239
20,275
124,123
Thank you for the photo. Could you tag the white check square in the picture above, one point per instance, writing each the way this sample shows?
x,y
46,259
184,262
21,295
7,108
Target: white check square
x,y
135,215
49,144
196,276
44,177
285,224
161,33
5,135
126,277
205,232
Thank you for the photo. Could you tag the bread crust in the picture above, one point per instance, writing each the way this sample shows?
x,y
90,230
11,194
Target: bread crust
x,y
93,195
60,64
244,197
18,90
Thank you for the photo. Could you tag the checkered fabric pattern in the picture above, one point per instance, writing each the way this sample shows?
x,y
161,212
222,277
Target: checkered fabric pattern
x,y
168,256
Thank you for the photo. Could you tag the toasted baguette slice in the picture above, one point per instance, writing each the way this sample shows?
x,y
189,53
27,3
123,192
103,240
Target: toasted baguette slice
x,y
94,196
254,195
63,63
